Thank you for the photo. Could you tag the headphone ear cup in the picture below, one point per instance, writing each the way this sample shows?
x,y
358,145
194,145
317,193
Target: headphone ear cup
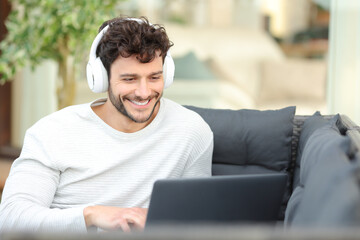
x,y
168,70
100,76
90,75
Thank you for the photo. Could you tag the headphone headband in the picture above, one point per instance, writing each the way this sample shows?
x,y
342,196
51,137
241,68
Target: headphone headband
x,y
95,44
97,76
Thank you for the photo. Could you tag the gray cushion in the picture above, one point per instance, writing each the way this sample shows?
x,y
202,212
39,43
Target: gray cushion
x,y
311,144
227,169
293,205
251,137
342,194
321,146
310,125
331,189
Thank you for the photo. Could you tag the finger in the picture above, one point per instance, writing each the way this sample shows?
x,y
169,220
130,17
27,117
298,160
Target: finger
x,y
138,228
124,226
138,221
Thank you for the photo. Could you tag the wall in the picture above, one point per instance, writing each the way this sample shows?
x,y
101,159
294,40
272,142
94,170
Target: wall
x,y
344,59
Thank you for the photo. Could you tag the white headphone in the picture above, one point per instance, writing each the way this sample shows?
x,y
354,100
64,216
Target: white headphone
x,y
96,73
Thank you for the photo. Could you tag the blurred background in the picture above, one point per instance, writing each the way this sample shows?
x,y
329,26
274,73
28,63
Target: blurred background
x,y
254,54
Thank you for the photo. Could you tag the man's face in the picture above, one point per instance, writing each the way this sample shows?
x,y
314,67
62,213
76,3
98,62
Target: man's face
x,y
135,88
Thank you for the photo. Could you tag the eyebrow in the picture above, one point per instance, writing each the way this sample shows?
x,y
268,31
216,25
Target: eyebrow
x,y
134,75
156,73
128,75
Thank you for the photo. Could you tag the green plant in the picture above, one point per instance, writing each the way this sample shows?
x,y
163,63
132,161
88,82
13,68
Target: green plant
x,y
52,29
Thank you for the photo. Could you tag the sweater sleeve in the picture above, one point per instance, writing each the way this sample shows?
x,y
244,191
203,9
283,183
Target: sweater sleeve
x,y
29,192
199,164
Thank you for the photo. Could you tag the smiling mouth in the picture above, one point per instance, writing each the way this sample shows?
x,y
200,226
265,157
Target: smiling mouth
x,y
140,103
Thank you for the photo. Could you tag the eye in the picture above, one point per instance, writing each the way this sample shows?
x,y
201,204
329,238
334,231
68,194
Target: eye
x,y
128,79
155,77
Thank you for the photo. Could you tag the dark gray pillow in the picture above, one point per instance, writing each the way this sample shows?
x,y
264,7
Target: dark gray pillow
x,y
327,174
251,137
310,125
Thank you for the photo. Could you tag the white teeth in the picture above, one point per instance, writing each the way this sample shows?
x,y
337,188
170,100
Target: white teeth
x,y
140,103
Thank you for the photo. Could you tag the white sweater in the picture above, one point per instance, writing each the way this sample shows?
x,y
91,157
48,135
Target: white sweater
x,y
72,159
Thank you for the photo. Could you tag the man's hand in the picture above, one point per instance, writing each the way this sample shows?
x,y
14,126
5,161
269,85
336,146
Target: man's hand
x,y
114,218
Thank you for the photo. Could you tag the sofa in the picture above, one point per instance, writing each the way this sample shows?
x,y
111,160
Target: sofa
x,y
320,155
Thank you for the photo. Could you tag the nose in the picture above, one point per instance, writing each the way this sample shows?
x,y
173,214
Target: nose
x,y
143,89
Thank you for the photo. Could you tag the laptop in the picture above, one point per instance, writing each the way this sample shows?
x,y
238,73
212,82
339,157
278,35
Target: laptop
x,y
218,199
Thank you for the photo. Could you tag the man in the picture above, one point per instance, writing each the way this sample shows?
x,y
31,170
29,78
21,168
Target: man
x,y
94,165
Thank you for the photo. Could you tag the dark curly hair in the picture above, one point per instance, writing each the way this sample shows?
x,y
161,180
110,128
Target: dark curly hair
x,y
126,37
